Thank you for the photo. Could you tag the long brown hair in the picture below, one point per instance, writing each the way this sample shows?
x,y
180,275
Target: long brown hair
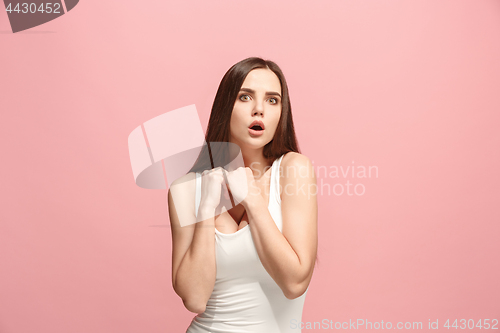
x,y
218,129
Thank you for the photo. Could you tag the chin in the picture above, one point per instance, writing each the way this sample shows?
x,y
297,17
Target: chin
x,y
252,143
257,145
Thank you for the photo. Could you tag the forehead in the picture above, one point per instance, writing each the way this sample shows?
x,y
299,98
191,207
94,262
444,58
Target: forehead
x,y
262,79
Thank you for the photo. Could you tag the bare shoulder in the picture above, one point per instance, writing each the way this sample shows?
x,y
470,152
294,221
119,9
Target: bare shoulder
x,y
295,168
183,180
296,165
183,186
295,159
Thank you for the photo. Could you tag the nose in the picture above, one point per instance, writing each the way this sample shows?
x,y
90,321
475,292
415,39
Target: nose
x,y
259,108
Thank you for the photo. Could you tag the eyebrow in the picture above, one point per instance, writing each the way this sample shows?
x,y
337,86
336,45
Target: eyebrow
x,y
268,93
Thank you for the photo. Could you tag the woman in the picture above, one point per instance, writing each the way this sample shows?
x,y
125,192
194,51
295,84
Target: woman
x,y
247,269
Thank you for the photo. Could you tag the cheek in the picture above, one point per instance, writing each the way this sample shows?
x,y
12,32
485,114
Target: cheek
x,y
235,117
274,127
276,121
235,123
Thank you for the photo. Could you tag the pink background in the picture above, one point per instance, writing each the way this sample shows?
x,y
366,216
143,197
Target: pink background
x,y
408,86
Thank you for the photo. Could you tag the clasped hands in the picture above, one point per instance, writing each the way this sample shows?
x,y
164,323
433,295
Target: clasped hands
x,y
242,187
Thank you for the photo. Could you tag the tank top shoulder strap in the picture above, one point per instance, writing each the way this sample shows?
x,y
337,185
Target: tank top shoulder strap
x,y
275,179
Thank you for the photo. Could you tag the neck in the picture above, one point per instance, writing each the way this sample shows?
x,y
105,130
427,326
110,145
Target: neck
x,y
255,160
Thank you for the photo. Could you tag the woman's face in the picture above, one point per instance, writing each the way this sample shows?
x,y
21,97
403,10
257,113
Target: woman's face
x,y
259,100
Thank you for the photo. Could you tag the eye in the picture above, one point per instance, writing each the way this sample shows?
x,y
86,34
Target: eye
x,y
273,100
243,96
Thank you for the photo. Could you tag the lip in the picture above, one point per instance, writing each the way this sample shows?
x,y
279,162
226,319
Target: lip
x,y
255,133
257,122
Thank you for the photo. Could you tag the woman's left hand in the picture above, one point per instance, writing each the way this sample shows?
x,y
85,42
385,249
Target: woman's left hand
x,y
243,187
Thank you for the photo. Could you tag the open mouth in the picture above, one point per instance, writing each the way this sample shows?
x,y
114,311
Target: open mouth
x,y
257,125
256,128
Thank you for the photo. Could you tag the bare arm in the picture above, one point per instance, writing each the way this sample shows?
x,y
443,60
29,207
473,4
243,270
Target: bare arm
x,y
289,257
193,248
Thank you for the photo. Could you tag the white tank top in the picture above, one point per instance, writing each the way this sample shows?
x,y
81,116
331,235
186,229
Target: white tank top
x,y
245,298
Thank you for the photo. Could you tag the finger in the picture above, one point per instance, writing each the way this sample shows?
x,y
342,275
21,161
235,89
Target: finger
x,y
225,190
227,179
228,189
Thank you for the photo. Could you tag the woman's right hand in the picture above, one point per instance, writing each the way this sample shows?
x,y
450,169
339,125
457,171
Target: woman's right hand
x,y
211,188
